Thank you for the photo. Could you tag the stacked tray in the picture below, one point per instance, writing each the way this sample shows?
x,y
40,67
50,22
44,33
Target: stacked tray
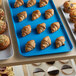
x,y
38,37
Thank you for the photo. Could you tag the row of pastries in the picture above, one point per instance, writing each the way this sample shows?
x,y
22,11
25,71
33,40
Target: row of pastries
x,y
30,3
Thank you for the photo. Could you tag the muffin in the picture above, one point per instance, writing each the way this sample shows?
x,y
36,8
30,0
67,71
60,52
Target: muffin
x,y
69,6
4,41
1,13
2,26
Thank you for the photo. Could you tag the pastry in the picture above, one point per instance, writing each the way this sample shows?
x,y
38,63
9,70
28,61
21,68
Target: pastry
x,y
41,28
1,14
60,41
53,71
38,72
55,26
75,27
31,3
6,71
69,6
36,64
30,45
64,61
22,15
73,16
43,3
49,13
2,26
45,42
26,30
51,62
18,3
4,41
36,14
67,69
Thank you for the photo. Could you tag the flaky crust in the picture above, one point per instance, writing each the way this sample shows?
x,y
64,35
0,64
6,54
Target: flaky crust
x,y
41,28
43,3
18,3
30,45
31,3
1,14
69,6
4,41
60,41
45,42
55,26
2,26
36,14
26,30
22,15
49,13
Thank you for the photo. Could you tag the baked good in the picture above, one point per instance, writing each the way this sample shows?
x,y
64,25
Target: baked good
x,y
45,42
60,41
51,62
55,26
53,71
4,41
30,45
64,61
1,14
75,27
69,6
49,13
21,16
41,27
36,14
26,30
67,69
31,3
18,3
43,3
2,26
6,71
38,72
73,16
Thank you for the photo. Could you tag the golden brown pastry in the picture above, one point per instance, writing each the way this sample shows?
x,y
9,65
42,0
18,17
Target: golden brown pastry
x,y
75,27
26,30
55,26
1,14
43,3
60,41
69,6
2,26
30,45
49,13
6,71
4,41
31,3
18,3
22,15
41,28
45,42
73,16
36,14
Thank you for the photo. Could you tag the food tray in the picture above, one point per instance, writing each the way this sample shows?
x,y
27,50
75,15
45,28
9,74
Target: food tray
x,y
70,24
44,66
9,52
38,37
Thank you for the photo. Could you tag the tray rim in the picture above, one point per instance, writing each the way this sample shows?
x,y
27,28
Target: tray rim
x,y
71,46
3,7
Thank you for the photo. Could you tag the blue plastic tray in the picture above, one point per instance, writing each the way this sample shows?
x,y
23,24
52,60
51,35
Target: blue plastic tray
x,y
38,37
